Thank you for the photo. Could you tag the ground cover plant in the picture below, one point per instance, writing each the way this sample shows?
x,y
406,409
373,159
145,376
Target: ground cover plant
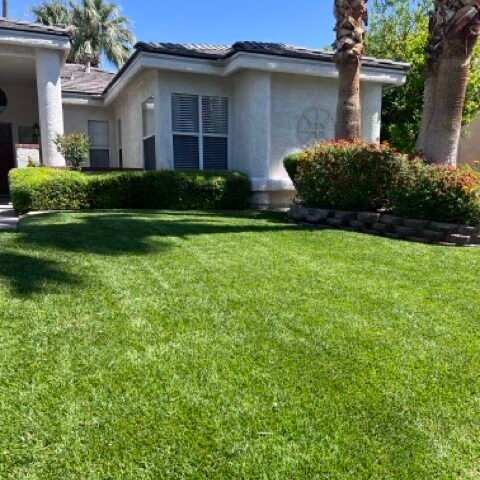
x,y
148,345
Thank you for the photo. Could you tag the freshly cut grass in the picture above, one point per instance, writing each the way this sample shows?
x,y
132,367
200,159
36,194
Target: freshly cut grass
x,y
149,345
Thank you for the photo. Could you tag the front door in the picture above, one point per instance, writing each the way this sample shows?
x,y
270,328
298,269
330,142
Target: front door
x,y
6,156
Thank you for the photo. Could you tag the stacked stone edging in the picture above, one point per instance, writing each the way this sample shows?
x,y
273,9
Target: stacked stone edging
x,y
392,226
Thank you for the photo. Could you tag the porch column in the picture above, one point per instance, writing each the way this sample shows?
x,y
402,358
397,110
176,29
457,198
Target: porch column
x,y
50,109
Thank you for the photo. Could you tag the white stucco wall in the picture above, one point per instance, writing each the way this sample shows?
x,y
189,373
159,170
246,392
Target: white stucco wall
x,y
22,107
128,107
76,119
24,155
268,109
251,124
371,101
294,96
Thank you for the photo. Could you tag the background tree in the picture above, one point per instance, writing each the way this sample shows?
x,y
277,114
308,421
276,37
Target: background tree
x,y
98,28
399,30
454,29
53,13
351,18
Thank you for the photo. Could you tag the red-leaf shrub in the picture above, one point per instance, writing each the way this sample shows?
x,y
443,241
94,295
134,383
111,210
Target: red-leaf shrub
x,y
345,175
437,192
364,176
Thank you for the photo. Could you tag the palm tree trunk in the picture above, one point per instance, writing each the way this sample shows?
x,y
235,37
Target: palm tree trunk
x,y
443,127
348,119
428,103
351,18
454,29
5,8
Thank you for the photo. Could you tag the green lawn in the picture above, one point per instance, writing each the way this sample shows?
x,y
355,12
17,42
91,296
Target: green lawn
x,y
234,346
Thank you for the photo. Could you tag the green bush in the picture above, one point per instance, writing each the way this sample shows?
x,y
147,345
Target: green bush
x,y
290,163
345,175
434,192
363,176
74,147
46,188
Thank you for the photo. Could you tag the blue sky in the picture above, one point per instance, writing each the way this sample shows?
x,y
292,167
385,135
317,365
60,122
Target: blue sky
x,y
305,22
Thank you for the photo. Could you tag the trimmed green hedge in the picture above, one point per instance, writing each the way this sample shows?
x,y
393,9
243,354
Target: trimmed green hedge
x,y
55,189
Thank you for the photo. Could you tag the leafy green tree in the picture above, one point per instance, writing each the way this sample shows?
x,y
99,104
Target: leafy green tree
x,y
399,30
98,28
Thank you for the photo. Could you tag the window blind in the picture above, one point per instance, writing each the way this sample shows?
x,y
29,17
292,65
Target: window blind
x,y
98,134
185,117
215,115
200,131
186,152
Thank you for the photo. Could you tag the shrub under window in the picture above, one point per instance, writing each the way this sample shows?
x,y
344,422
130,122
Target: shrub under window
x,y
48,188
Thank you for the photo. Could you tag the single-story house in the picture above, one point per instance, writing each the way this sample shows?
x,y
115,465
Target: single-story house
x,y
190,106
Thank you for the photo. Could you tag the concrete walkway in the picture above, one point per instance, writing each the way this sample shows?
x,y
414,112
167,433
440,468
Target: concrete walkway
x,y
8,217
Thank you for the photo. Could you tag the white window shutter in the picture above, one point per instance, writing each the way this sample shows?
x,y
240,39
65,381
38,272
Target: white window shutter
x,y
215,115
185,117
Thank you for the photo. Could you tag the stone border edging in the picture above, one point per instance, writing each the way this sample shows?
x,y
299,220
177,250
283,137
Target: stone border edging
x,y
424,231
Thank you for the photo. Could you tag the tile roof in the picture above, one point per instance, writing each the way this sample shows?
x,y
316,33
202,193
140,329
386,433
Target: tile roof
x,y
97,82
220,52
26,26
76,80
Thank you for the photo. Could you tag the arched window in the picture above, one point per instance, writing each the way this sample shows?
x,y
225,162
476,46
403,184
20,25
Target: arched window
x,y
3,101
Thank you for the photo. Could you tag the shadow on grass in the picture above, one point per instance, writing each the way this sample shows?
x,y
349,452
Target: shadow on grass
x,y
111,233
27,275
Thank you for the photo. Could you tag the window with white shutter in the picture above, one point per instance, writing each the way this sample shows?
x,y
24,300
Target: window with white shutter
x,y
200,132
98,134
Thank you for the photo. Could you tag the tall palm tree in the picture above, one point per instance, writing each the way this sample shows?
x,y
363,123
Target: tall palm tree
x,y
98,28
53,14
453,32
351,19
5,8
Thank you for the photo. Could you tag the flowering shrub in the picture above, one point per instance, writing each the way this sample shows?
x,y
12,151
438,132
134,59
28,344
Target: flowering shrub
x,y
436,192
363,176
345,175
